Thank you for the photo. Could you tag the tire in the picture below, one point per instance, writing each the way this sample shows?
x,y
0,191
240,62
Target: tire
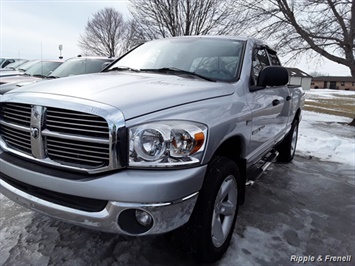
x,y
211,225
287,147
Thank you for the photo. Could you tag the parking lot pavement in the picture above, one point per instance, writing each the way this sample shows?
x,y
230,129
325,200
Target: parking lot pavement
x,y
304,210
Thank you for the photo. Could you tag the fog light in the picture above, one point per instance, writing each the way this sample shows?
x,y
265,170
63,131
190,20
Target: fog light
x,y
143,218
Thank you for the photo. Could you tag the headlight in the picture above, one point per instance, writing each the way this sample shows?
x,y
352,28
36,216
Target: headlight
x,y
166,144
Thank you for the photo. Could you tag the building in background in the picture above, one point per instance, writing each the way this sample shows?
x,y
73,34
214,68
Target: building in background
x,y
299,78
334,83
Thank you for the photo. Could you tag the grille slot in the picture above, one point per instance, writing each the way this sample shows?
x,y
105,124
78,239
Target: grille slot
x,y
19,114
16,139
76,123
74,152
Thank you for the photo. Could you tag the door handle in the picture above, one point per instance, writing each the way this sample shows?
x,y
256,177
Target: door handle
x,y
275,102
288,98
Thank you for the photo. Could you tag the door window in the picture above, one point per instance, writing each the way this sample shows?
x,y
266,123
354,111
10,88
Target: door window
x,y
260,60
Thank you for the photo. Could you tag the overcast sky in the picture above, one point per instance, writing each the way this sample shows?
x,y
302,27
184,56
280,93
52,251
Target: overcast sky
x,y
35,29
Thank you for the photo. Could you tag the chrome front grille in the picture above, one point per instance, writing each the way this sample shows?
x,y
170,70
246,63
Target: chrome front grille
x,y
61,137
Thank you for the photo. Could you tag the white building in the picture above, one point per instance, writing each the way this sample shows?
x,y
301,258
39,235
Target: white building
x,y
300,78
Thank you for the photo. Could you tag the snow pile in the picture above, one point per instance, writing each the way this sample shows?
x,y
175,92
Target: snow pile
x,y
327,137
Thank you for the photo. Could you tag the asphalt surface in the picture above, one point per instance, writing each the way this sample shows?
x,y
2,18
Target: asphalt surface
x,y
297,211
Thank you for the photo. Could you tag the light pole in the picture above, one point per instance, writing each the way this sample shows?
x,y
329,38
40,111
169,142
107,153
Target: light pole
x,y
60,51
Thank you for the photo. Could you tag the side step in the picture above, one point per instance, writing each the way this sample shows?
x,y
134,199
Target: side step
x,y
255,172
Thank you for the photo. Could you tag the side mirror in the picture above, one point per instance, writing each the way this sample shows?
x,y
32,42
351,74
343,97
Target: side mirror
x,y
273,76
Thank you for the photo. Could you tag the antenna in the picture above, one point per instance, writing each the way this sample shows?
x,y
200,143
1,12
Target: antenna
x,y
41,60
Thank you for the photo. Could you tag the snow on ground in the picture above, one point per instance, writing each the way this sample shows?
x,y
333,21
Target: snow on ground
x,y
327,93
327,137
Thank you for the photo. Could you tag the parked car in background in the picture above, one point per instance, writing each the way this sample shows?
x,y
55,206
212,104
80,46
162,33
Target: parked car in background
x,y
14,65
36,72
81,65
6,61
71,67
20,70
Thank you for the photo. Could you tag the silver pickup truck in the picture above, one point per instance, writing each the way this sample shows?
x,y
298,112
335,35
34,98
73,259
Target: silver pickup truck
x,y
164,139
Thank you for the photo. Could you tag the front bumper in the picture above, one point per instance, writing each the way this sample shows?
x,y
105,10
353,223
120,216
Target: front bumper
x,y
166,216
167,196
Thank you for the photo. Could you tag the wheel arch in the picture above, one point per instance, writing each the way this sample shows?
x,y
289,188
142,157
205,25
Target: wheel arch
x,y
297,115
233,148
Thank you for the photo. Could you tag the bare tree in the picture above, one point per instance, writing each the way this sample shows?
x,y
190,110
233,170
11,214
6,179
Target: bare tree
x,y
134,36
318,74
324,27
103,33
166,18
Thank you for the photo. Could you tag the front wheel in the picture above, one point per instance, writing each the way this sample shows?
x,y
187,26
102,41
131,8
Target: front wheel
x,y
212,223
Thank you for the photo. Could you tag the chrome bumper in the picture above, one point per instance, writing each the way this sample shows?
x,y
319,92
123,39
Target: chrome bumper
x,y
166,216
168,196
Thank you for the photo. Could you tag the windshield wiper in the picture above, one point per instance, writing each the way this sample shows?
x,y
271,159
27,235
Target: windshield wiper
x,y
123,68
38,76
52,77
177,71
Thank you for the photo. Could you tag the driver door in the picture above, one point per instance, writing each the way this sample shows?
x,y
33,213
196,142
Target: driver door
x,y
267,107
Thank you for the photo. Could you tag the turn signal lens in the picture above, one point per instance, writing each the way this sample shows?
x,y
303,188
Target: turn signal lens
x,y
200,140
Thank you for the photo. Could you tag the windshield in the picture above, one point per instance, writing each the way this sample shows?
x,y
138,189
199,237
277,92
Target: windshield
x,y
16,64
27,65
42,68
79,66
217,59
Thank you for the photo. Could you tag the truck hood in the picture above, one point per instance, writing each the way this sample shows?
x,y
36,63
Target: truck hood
x,y
8,72
18,79
16,82
134,94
